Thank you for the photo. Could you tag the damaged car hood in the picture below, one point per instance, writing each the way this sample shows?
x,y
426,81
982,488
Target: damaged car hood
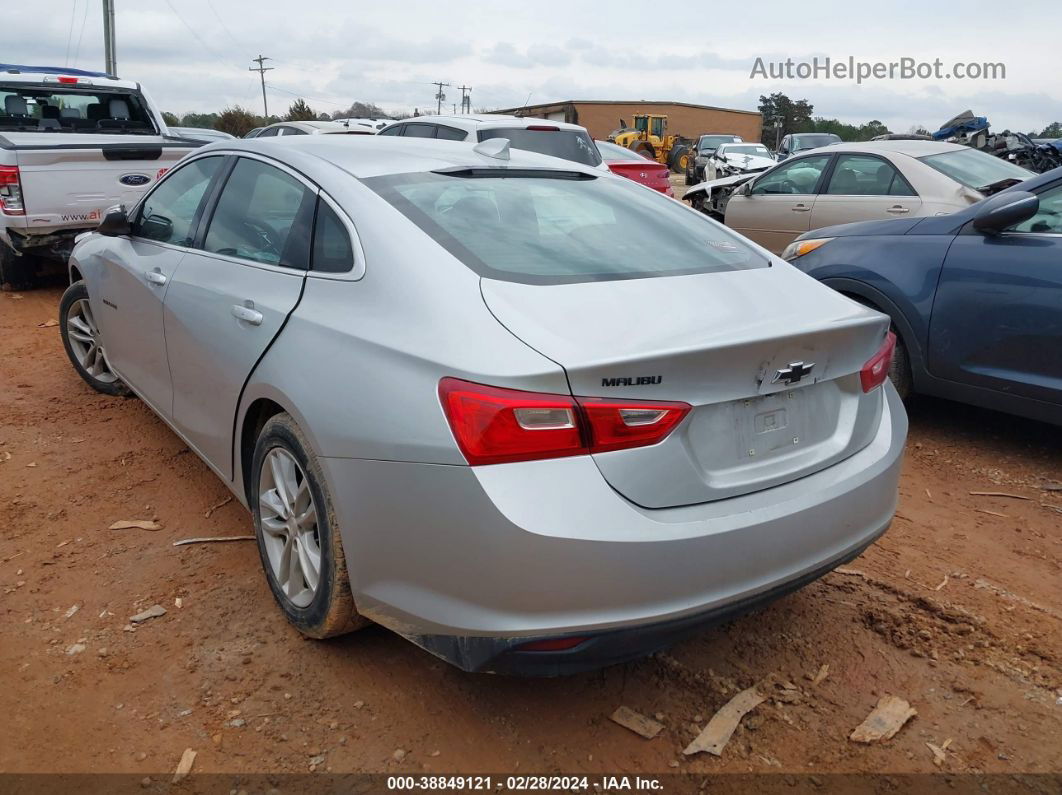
x,y
706,187
746,162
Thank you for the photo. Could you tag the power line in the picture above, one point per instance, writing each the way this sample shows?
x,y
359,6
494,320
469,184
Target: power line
x,y
70,33
81,35
262,69
224,27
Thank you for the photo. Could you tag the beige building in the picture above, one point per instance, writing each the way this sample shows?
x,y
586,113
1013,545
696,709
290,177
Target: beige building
x,y
601,117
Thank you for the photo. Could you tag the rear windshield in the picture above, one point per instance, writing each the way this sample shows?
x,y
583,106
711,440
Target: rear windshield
x,y
574,145
73,110
709,143
611,151
974,169
814,141
559,229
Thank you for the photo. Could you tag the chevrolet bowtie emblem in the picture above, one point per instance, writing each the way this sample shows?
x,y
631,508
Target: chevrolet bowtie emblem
x,y
793,373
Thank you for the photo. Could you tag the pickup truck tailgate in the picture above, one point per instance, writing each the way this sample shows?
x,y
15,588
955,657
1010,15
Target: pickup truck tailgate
x,y
72,183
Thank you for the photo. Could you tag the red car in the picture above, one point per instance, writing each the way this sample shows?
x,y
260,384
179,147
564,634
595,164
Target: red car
x,y
634,166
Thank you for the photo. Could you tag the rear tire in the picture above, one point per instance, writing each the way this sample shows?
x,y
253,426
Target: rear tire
x,y
644,148
17,271
298,536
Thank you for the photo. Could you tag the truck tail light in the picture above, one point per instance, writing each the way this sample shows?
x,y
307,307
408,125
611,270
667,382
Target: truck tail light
x,y
493,425
876,370
11,191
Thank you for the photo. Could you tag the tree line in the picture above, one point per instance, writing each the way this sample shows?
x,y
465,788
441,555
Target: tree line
x,y
238,121
782,116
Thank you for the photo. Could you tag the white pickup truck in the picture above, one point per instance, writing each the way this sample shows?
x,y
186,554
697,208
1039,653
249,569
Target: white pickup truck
x,y
72,144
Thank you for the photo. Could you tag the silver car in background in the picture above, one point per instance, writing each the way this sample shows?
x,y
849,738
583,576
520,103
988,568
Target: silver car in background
x,y
529,415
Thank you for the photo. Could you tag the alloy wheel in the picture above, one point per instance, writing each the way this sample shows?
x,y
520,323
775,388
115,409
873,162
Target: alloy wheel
x,y
289,526
85,341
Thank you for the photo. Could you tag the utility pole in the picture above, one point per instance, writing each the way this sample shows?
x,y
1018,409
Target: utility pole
x,y
466,98
262,69
108,38
440,96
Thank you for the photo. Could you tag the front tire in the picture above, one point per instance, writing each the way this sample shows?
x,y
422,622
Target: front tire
x,y
900,368
298,537
84,343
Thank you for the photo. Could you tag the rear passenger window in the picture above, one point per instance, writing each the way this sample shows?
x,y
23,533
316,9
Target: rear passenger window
x,y
419,131
332,250
263,215
860,175
450,133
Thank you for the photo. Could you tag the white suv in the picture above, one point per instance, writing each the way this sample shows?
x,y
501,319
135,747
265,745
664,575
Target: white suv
x,y
556,138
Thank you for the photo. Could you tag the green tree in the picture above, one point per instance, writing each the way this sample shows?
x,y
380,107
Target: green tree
x,y
201,120
300,111
782,115
237,121
1052,130
171,119
360,110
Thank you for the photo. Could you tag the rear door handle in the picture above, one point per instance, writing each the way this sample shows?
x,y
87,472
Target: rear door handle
x,y
156,277
898,210
800,208
247,313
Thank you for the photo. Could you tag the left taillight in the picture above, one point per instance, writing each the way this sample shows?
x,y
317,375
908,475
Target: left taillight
x,y
11,191
876,370
493,425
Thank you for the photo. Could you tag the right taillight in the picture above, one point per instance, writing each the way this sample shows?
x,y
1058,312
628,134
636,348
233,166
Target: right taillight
x,y
11,191
876,370
493,425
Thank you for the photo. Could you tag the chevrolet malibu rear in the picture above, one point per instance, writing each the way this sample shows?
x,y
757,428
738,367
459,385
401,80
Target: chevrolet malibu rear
x,y
553,420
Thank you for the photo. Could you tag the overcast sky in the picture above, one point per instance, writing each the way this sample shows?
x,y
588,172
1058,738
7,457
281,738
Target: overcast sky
x,y
194,54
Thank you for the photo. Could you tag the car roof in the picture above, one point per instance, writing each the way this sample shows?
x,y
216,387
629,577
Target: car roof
x,y
911,148
366,156
482,121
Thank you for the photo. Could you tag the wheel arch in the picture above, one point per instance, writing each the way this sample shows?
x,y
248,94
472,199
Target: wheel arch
x,y
867,295
260,403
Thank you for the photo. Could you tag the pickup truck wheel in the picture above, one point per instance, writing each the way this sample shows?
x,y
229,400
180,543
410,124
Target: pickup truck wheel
x,y
297,532
83,342
16,270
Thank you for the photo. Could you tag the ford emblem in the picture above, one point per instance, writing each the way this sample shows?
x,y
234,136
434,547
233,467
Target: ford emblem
x,y
134,180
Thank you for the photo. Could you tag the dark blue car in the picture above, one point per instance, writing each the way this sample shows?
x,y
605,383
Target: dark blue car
x,y
975,297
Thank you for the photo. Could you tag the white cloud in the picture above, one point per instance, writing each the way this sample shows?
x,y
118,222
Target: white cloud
x,y
334,51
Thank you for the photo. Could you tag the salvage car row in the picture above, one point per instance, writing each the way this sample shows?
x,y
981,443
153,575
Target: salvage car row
x,y
465,389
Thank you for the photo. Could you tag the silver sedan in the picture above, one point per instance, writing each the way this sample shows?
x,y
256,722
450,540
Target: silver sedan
x,y
531,416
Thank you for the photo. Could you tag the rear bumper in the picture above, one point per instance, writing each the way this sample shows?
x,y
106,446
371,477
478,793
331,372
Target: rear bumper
x,y
471,562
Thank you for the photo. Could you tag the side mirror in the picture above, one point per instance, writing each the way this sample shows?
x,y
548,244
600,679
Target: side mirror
x,y
745,189
1005,210
115,223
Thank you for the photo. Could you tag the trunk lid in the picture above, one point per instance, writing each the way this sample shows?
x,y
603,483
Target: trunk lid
x,y
69,180
725,343
654,175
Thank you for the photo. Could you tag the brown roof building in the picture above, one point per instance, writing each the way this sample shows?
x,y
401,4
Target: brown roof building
x,y
601,117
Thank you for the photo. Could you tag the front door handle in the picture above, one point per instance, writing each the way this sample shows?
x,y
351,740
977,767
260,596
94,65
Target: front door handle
x,y
898,210
156,277
247,313
800,208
